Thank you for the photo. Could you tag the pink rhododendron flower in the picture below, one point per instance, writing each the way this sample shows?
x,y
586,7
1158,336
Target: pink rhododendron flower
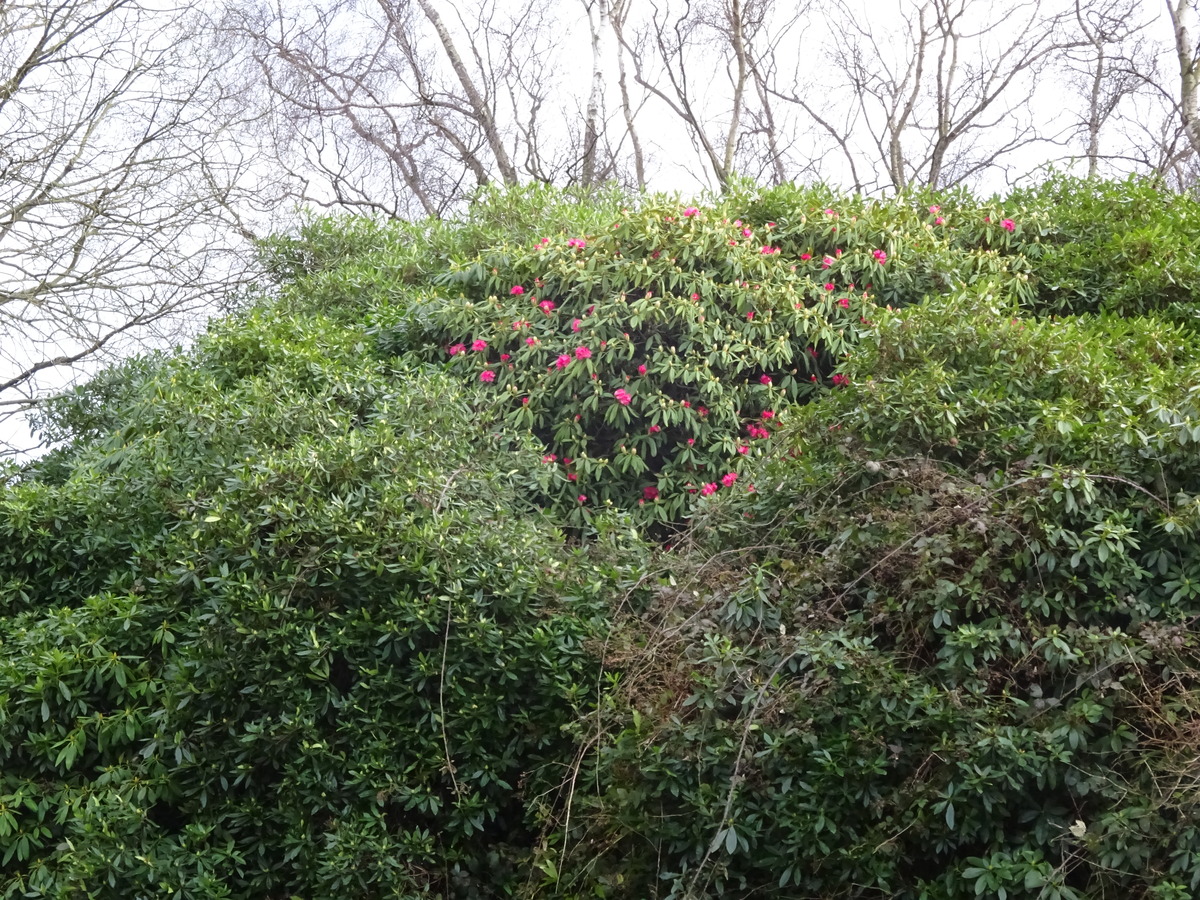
x,y
583,498
768,413
695,296
504,357
653,429
546,306
641,370
575,324
844,302
805,257
880,256
746,232
686,404
577,243
457,349
1007,225
517,289
571,476
750,316
829,285
826,262
840,380
563,361
934,210
729,479
478,345
764,379
690,211
939,221
582,353
487,375
519,324
691,442
702,411
709,489
622,396
650,493
743,449
531,341
549,458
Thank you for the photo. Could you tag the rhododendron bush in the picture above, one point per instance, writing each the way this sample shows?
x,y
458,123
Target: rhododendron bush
x,y
651,354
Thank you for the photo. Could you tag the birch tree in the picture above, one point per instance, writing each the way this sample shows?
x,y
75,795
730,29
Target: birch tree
x,y
1187,53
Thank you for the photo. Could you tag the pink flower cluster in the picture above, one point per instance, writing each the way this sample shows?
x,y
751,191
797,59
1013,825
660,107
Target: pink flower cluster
x,y
690,211
622,396
840,380
880,256
1008,225
577,243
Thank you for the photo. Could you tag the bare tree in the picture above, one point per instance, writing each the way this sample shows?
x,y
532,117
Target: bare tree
x,y
955,100
1106,67
406,106
700,59
1187,51
618,16
118,186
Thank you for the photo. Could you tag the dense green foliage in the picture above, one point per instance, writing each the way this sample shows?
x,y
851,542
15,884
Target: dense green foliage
x,y
764,594
286,632
955,625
